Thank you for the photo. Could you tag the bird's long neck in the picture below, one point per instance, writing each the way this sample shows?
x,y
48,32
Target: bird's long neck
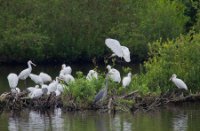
x,y
29,66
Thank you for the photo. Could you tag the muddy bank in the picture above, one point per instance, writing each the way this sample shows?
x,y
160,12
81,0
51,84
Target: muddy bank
x,y
130,102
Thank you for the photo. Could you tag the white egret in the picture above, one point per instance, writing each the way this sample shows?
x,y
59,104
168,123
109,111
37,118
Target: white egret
x,y
15,90
65,69
67,78
178,82
53,86
45,77
118,50
114,74
59,89
13,82
91,75
126,80
36,78
31,89
37,93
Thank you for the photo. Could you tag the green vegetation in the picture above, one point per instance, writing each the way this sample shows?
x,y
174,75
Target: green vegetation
x,y
45,30
180,56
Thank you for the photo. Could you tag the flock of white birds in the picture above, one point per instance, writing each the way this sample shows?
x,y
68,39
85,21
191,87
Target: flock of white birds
x,y
45,84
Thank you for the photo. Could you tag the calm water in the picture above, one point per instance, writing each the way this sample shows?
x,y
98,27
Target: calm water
x,y
185,118
174,119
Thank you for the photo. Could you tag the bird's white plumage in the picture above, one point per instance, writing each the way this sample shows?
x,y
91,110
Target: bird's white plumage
x,y
178,82
60,87
15,90
115,46
126,53
120,51
91,75
126,80
26,72
45,77
114,74
65,69
31,89
37,79
53,86
67,78
36,93
13,80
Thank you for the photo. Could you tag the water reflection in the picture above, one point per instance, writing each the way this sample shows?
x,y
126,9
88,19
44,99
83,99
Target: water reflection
x,y
167,119
180,122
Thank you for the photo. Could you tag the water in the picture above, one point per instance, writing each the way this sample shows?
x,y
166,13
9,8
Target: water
x,y
184,118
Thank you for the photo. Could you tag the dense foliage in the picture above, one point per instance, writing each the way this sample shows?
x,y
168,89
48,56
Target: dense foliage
x,y
180,56
72,30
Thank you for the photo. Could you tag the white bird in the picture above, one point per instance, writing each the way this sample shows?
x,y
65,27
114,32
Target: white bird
x,y
126,80
59,89
37,93
36,78
178,82
91,75
118,50
26,72
53,86
65,69
15,90
31,89
45,77
67,78
13,80
114,74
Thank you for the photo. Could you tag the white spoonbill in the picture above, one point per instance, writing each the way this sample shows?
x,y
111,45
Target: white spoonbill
x,y
26,72
91,75
13,82
37,93
67,78
114,74
37,79
59,89
31,89
118,50
65,69
126,80
178,82
45,77
53,86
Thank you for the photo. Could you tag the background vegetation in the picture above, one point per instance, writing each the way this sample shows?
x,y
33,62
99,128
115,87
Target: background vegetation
x,y
69,30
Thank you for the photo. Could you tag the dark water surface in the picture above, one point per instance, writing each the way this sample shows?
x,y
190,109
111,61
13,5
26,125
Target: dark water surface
x,y
184,118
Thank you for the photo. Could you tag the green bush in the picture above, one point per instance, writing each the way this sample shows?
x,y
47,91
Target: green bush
x,y
180,56
148,21
83,91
